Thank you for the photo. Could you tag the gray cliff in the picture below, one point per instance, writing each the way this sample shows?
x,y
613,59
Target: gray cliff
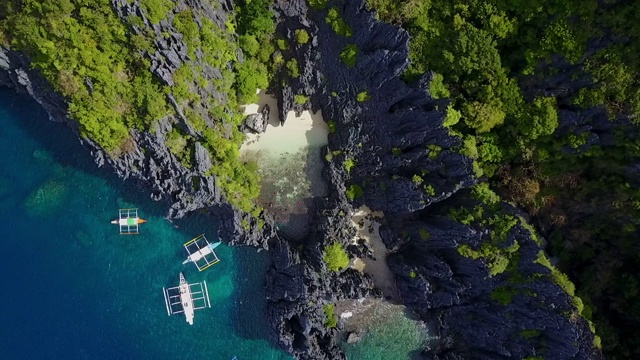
x,y
391,138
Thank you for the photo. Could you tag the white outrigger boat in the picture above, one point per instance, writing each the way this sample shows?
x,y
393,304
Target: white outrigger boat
x,y
128,221
186,298
201,252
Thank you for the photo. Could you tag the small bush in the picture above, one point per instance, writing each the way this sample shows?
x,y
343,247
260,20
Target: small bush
x,y
413,274
483,193
453,117
354,191
437,88
336,257
292,67
318,4
278,59
349,164
302,36
530,333
363,96
331,320
434,151
337,23
429,190
597,342
504,294
282,44
300,99
468,147
349,55
332,126
156,9
424,234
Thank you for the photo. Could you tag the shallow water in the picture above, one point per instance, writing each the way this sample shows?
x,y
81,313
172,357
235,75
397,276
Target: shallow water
x,y
290,163
75,289
387,332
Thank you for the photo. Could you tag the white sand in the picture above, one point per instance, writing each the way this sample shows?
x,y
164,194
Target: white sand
x,y
369,230
289,161
308,129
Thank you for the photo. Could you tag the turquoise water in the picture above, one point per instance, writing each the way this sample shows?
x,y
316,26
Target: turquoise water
x,y
75,289
389,335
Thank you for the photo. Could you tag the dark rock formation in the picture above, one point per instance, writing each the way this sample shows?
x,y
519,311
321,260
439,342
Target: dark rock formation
x,y
257,123
391,147
394,149
297,285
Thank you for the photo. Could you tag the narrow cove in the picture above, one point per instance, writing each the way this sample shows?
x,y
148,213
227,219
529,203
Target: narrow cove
x,y
80,290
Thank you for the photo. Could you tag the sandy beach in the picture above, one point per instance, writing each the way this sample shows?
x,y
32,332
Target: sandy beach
x,y
368,228
308,129
289,162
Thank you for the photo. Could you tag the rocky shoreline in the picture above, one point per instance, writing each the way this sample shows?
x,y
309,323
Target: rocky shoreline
x,y
395,133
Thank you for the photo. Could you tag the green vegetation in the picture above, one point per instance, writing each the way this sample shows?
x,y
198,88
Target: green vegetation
x,y
156,10
331,319
91,57
282,44
301,36
363,96
424,234
179,146
349,55
429,190
437,89
336,257
318,4
504,294
453,117
332,126
433,151
293,68
530,333
256,25
349,164
561,280
300,99
354,191
90,48
337,23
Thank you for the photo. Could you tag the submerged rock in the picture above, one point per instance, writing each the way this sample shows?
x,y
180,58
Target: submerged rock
x,y
354,337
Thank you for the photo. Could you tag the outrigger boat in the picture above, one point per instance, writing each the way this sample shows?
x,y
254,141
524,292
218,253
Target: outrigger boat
x,y
128,221
201,252
186,298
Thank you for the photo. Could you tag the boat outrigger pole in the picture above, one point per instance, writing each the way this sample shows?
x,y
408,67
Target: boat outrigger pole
x,y
201,252
128,221
186,298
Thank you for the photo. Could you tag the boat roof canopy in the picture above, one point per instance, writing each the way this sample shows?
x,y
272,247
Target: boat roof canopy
x,y
128,221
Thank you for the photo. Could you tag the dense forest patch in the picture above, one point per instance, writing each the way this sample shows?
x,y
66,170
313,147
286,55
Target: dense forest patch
x,y
517,72
102,65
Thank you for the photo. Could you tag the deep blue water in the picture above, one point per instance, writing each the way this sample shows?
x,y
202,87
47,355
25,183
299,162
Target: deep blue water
x,y
72,288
